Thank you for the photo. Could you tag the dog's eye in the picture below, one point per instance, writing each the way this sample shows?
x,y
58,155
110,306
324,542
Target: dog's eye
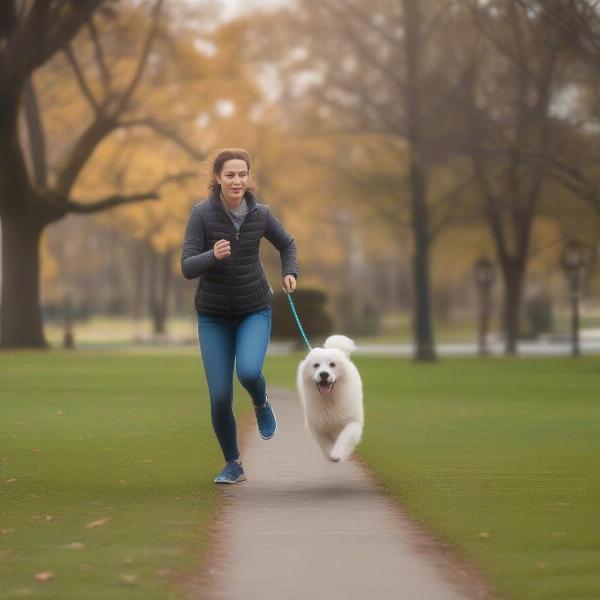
x,y
332,364
316,365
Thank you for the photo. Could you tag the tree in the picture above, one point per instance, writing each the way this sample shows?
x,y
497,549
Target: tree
x,y
31,35
355,73
413,91
507,112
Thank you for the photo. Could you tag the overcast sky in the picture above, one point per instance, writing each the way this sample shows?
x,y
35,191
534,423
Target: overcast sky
x,y
235,7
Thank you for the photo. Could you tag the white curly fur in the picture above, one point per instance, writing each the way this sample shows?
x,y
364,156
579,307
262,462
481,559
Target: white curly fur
x,y
341,342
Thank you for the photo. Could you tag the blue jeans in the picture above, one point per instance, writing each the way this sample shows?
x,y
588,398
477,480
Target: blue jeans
x,y
222,340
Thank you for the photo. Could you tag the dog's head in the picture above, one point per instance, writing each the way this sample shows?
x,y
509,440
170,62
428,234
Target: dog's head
x,y
324,368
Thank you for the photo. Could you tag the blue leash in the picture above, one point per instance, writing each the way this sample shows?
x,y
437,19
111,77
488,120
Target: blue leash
x,y
289,297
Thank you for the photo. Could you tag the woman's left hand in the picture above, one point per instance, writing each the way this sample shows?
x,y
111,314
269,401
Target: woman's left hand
x,y
289,283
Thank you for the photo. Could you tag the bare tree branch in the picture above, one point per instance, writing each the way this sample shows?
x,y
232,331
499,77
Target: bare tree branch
x,y
365,19
81,151
73,206
87,92
356,40
492,206
109,202
105,124
99,54
126,97
428,28
450,215
46,31
166,132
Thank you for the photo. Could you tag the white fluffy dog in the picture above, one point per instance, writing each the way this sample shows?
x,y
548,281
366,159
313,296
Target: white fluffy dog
x,y
331,392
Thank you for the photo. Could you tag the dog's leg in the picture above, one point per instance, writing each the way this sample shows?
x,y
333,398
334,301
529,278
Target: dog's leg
x,y
324,441
346,442
326,447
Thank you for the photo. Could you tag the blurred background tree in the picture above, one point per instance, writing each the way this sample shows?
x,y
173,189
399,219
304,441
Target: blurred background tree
x,y
397,142
110,61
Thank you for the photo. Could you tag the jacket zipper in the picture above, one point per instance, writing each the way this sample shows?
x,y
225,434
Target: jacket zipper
x,y
234,254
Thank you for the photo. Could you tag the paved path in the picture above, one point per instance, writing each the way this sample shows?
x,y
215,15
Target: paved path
x,y
302,527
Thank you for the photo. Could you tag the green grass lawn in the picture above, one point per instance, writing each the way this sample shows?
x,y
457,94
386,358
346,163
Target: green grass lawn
x,y
88,436
509,448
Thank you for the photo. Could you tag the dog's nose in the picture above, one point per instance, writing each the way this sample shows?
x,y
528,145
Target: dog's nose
x,y
324,375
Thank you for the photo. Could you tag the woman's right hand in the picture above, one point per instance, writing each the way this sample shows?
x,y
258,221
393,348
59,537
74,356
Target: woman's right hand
x,y
222,249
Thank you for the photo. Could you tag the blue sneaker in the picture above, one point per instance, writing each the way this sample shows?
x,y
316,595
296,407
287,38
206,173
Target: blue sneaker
x,y
266,420
232,473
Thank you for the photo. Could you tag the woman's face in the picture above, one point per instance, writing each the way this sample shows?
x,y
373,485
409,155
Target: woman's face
x,y
234,179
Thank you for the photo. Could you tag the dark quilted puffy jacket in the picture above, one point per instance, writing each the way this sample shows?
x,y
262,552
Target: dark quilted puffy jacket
x,y
238,283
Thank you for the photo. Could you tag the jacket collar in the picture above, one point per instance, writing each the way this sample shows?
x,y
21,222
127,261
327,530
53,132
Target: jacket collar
x,y
216,202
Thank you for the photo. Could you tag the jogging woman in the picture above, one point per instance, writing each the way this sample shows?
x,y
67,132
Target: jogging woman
x,y
233,296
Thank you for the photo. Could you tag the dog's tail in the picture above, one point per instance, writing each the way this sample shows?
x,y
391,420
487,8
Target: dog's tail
x,y
341,342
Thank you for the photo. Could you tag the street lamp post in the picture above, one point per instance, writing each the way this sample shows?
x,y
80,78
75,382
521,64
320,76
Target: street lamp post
x,y
572,263
68,341
484,278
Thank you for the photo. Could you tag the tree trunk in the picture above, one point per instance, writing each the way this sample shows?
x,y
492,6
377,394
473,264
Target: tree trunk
x,y
423,326
159,285
425,348
21,318
138,253
513,273
152,284
160,325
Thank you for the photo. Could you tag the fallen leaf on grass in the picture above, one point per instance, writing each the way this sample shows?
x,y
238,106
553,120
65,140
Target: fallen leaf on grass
x,y
98,523
164,572
74,546
44,576
129,578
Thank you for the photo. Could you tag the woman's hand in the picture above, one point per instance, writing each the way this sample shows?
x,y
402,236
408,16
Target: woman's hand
x,y
222,249
289,283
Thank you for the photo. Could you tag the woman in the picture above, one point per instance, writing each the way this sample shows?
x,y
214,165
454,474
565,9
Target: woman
x,y
233,296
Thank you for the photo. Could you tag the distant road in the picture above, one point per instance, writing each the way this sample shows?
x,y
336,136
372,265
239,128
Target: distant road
x,y
550,347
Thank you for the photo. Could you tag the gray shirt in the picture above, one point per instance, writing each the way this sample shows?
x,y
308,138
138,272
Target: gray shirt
x,y
238,215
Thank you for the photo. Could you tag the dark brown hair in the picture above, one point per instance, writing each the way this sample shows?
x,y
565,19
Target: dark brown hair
x,y
217,166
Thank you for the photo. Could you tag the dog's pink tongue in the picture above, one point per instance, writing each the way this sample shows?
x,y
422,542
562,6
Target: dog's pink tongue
x,y
325,389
